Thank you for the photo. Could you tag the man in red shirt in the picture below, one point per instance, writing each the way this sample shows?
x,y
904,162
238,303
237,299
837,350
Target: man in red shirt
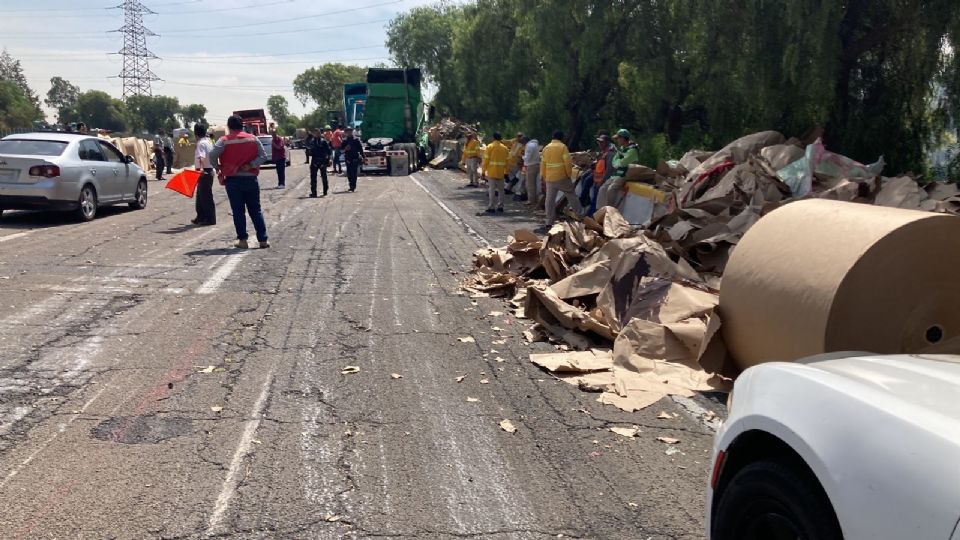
x,y
336,141
237,156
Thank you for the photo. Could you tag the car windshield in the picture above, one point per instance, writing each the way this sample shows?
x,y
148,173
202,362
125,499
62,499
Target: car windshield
x,y
266,141
29,147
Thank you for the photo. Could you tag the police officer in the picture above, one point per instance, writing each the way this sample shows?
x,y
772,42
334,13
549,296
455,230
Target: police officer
x,y
320,153
352,156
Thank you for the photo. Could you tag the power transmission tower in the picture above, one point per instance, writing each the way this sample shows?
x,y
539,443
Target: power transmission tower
x,y
136,72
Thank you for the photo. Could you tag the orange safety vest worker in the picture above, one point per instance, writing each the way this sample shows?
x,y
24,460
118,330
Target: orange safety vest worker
x,y
470,150
555,163
495,160
238,149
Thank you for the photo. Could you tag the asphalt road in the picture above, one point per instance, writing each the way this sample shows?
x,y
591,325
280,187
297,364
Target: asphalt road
x,y
157,383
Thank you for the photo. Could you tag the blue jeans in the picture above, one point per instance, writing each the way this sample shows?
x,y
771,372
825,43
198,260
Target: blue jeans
x,y
337,167
594,192
244,195
281,171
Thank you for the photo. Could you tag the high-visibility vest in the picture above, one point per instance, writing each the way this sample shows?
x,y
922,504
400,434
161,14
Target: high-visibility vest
x,y
600,169
555,164
238,149
471,149
495,160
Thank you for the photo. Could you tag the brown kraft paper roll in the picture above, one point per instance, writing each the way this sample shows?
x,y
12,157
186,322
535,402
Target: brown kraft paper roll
x,y
820,276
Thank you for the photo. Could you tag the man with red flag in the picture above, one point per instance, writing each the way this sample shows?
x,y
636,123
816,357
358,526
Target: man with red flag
x,y
237,156
206,208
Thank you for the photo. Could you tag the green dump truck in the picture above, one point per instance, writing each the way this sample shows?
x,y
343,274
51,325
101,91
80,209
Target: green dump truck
x,y
393,119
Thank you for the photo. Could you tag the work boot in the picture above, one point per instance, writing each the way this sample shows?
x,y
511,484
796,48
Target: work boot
x,y
264,245
500,210
313,195
241,244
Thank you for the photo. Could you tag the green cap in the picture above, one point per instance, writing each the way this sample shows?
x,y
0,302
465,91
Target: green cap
x,y
624,133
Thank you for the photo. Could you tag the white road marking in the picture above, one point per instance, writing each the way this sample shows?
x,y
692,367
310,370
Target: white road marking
x,y
480,240
213,283
233,473
16,235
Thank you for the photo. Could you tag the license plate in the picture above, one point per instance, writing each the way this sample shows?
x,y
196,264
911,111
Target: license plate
x,y
9,175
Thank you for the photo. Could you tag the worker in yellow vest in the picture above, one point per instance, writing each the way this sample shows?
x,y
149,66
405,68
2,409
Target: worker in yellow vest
x,y
514,162
556,169
494,170
471,158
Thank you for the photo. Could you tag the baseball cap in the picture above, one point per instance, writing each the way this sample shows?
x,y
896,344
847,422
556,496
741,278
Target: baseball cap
x,y
624,133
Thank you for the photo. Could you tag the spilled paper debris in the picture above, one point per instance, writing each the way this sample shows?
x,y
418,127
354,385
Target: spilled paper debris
x,y
633,310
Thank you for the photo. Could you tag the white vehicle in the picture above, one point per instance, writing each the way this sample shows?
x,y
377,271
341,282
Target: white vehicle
x,y
841,446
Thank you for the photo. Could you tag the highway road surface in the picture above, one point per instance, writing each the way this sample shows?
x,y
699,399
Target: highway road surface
x,y
157,383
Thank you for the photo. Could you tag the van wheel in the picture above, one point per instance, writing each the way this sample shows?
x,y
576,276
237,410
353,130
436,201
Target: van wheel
x,y
88,204
140,197
773,500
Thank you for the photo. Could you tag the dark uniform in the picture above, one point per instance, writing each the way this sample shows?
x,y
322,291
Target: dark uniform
x,y
320,152
352,157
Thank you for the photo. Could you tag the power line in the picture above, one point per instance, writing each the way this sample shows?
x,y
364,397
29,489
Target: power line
x,y
136,72
275,21
257,6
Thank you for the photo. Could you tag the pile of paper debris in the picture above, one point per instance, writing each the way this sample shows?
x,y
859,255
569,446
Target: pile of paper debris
x,y
632,311
448,129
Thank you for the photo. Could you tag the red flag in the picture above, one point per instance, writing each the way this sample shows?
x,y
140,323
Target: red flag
x,y
185,182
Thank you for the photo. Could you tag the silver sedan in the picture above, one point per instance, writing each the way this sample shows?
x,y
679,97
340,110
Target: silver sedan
x,y
63,171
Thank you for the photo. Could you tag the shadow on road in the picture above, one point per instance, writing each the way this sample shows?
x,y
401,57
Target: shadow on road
x,y
32,219
212,251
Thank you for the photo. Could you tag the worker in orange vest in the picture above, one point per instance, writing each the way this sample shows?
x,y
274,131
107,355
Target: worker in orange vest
x,y
471,158
494,166
556,169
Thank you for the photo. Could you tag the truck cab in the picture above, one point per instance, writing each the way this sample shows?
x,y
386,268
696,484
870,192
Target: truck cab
x,y
391,116
254,121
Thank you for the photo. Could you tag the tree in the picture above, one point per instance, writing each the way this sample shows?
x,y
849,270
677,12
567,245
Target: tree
x,y
192,114
11,70
324,84
424,38
16,109
153,112
278,108
62,96
99,110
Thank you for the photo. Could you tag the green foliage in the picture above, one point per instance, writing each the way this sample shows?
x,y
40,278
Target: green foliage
x,y
154,112
16,109
62,96
193,113
99,110
12,71
696,71
314,119
324,84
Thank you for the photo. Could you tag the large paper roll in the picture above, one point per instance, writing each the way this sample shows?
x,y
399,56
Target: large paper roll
x,y
821,276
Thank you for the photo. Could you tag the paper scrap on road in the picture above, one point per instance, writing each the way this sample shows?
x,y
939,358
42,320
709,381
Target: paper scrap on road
x,y
460,378
507,426
331,518
216,409
484,381
208,369
472,400
664,416
396,376
668,440
626,432
466,339
349,370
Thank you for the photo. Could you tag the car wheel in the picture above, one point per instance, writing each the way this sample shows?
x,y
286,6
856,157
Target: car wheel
x,y
88,204
772,500
140,197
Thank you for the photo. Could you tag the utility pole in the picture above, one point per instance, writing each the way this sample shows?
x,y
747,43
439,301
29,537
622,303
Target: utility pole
x,y
136,72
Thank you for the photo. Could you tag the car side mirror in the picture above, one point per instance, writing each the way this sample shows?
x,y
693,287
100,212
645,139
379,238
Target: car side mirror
x,y
128,159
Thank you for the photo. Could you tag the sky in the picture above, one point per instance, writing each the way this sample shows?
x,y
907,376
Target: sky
x,y
225,54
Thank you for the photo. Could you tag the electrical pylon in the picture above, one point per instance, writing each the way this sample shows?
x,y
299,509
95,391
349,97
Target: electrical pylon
x,y
136,72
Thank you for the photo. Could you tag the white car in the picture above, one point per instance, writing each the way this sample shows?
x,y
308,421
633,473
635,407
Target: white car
x,y
63,171
842,446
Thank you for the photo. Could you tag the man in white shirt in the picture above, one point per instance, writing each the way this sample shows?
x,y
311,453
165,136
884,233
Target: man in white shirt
x,y
531,160
206,209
